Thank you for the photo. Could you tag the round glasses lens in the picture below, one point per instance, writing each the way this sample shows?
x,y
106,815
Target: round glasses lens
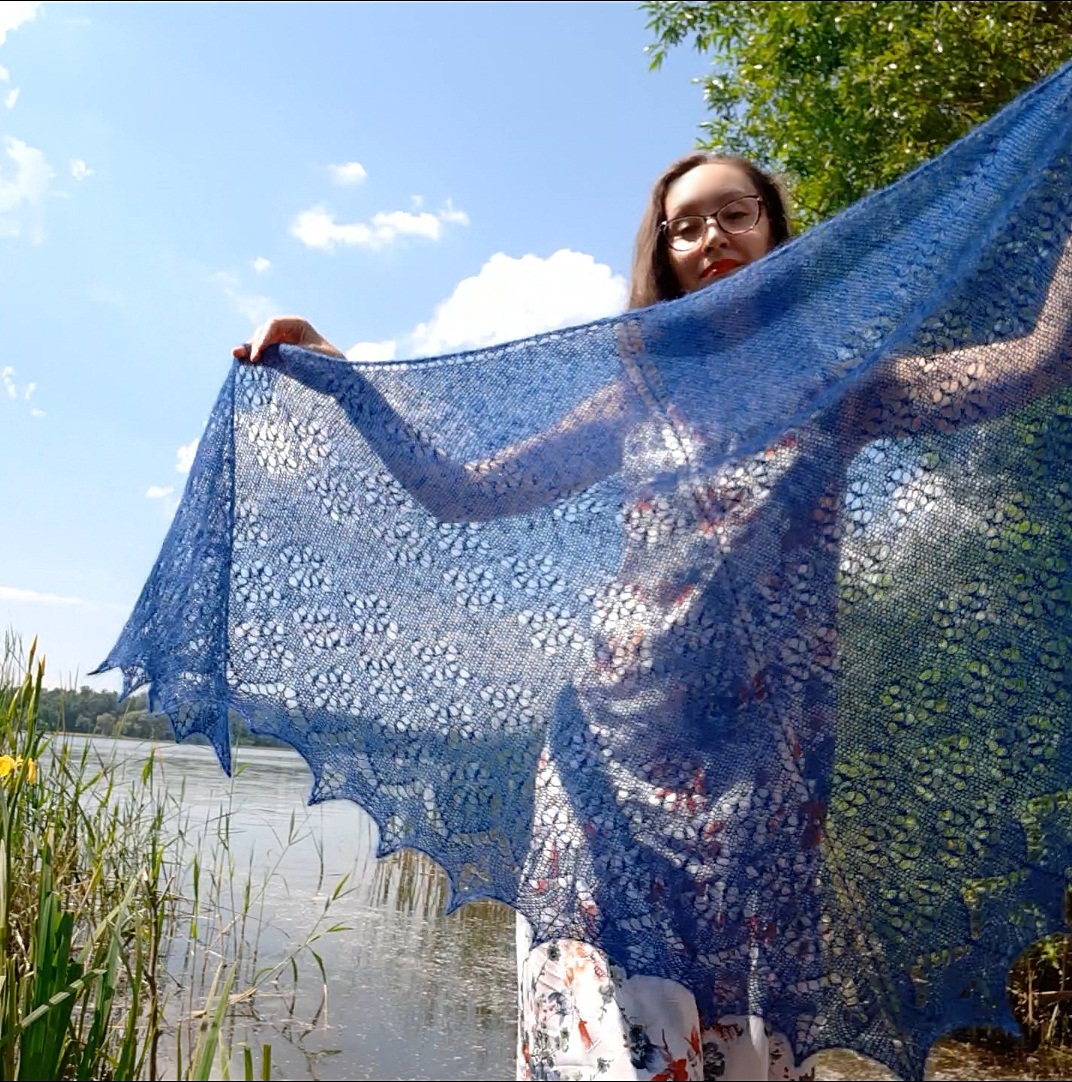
x,y
685,232
740,215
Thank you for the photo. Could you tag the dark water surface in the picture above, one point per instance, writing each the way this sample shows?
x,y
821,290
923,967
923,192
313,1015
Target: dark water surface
x,y
410,994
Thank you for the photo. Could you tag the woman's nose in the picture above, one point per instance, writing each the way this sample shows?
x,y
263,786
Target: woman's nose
x,y
713,232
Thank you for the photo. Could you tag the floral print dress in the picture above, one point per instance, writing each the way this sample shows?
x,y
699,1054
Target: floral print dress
x,y
580,1018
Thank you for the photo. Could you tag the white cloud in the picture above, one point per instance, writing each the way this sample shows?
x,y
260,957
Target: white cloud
x,y
34,597
260,264
373,351
79,169
23,188
184,460
252,306
10,385
513,298
317,228
13,14
509,299
450,214
184,457
347,173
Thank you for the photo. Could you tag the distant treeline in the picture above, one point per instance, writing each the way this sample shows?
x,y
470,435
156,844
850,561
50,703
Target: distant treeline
x,y
99,713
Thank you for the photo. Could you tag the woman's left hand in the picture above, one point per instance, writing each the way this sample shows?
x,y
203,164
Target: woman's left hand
x,y
288,330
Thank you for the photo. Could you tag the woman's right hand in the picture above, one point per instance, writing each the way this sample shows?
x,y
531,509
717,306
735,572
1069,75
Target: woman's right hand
x,y
289,330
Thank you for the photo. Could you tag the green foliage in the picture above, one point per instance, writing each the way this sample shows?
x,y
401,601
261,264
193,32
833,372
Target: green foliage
x,y
64,921
845,97
107,948
931,663
100,713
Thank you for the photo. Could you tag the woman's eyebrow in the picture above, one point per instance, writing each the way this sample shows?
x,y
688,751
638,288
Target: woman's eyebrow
x,y
691,206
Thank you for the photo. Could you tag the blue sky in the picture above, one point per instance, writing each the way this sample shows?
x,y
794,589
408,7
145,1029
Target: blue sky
x,y
413,178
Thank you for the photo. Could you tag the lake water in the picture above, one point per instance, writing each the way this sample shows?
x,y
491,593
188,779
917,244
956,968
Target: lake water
x,y
410,994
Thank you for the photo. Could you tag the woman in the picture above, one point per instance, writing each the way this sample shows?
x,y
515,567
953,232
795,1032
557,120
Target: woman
x,y
579,1017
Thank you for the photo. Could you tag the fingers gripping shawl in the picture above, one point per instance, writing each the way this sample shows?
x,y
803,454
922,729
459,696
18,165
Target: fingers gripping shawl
x,y
731,635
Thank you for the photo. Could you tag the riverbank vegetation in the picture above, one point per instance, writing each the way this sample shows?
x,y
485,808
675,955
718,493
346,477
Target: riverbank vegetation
x,y
129,939
100,713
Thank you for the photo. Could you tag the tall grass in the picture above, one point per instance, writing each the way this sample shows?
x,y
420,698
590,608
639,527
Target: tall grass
x,y
129,937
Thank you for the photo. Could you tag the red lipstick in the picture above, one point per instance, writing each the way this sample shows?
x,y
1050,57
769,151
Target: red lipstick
x,y
720,266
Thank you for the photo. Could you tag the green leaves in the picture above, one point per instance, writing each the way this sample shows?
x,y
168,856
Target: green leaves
x,y
845,97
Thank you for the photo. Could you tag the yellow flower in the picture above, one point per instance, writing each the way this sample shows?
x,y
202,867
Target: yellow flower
x,y
9,763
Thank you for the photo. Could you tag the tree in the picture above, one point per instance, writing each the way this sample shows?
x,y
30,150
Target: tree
x,y
843,98
104,725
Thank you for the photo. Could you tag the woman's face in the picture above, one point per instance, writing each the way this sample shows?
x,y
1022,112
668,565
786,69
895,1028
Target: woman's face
x,y
706,189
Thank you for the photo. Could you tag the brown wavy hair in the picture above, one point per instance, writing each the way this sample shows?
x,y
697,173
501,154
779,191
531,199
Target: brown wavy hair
x,y
653,278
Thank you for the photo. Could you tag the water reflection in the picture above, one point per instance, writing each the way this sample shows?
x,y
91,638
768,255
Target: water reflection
x,y
410,994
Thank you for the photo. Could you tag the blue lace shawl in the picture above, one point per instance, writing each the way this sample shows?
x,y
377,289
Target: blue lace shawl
x,y
732,635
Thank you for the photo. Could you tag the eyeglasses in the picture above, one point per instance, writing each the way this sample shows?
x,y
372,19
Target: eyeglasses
x,y
689,230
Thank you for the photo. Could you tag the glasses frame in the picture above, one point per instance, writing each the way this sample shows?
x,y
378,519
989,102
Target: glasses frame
x,y
664,225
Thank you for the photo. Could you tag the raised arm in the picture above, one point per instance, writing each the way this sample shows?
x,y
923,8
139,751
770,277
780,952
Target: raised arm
x,y
583,448
976,383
